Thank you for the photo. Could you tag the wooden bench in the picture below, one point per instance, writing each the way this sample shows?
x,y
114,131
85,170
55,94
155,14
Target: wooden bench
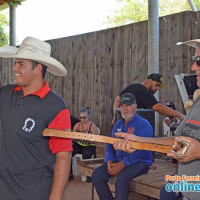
x,y
144,187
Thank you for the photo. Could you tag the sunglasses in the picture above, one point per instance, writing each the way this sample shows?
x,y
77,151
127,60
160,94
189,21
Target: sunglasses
x,y
82,117
196,59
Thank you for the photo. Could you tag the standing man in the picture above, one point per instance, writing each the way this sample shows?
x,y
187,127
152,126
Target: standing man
x,y
32,167
188,130
144,93
121,164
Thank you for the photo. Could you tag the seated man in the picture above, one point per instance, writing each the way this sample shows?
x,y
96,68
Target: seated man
x,y
121,164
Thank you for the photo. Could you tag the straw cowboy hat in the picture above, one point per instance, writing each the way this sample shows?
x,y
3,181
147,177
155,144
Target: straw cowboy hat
x,y
36,50
191,43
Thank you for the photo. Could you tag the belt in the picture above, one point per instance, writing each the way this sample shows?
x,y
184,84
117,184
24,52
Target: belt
x,y
105,139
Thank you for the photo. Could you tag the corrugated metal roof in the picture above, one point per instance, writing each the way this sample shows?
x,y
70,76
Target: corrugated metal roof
x,y
5,3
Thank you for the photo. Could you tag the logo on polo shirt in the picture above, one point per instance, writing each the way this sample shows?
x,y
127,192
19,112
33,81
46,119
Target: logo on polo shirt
x,y
29,125
130,130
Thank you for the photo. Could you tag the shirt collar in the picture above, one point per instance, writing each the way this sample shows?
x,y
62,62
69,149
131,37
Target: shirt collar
x,y
42,92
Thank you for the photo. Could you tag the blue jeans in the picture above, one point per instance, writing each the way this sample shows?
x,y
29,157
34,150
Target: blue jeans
x,y
100,178
164,195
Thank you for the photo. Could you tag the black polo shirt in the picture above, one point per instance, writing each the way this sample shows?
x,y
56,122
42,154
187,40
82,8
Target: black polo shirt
x,y
144,98
26,169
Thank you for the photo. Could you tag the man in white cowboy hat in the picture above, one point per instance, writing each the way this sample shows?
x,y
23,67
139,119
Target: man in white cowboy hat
x,y
32,167
188,130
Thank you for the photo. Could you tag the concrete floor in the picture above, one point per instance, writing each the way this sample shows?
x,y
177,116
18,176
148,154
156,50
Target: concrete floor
x,y
78,190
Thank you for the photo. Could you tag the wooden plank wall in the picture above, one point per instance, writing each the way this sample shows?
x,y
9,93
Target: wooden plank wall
x,y
100,64
6,75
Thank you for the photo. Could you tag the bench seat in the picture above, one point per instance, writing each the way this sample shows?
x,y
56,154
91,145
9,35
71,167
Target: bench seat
x,y
145,186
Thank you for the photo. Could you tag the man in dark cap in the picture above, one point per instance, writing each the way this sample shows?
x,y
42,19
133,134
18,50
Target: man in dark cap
x,y
144,93
121,164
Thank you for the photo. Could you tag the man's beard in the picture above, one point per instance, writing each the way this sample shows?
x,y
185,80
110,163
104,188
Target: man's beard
x,y
128,118
152,91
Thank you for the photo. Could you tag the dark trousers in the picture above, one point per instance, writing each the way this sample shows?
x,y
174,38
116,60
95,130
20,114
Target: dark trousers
x,y
164,195
101,176
86,151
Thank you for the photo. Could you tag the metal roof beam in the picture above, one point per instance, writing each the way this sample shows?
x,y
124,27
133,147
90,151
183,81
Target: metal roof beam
x,y
153,47
13,25
192,5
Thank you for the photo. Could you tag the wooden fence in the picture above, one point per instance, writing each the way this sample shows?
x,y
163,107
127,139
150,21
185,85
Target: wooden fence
x,y
100,64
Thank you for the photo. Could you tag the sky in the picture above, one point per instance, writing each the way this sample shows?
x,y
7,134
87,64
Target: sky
x,y
49,19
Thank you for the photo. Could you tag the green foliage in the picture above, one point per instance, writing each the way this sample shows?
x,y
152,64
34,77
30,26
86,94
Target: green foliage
x,y
197,4
4,38
131,11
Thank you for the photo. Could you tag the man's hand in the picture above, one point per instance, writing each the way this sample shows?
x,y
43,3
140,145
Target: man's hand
x,y
127,136
115,168
181,117
61,174
109,164
123,145
193,152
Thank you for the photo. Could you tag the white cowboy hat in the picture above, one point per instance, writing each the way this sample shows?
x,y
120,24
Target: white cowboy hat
x,y
191,43
36,50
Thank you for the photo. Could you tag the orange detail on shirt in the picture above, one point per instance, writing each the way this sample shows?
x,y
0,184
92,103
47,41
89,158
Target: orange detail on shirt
x,y
193,121
61,122
130,130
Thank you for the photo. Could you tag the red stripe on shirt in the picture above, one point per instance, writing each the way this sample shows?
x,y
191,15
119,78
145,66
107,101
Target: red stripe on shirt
x,y
42,92
61,122
193,121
